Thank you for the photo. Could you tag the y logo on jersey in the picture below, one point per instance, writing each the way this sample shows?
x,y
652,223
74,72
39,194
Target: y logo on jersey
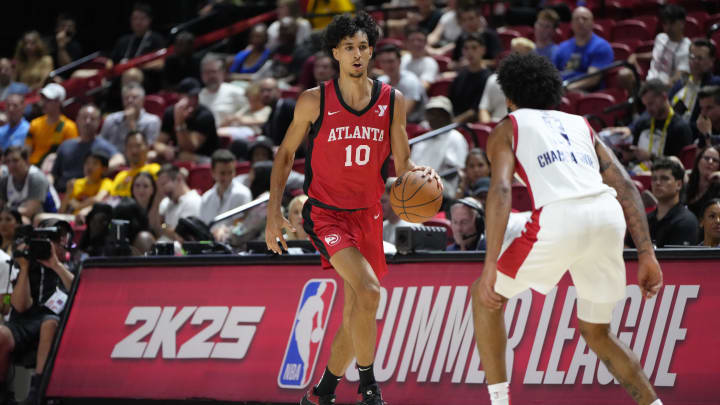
x,y
381,110
307,333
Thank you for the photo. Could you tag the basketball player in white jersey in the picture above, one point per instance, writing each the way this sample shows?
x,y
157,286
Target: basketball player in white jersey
x,y
580,193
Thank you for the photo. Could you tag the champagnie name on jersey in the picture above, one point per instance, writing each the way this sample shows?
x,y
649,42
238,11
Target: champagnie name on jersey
x,y
359,132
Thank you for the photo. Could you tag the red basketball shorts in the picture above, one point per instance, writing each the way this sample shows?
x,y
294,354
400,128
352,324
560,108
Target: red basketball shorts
x,y
333,230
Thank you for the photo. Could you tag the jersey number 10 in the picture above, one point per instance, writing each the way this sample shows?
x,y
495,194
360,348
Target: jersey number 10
x,y
362,155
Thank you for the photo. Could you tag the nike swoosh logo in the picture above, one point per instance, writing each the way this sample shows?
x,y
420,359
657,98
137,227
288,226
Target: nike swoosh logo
x,y
333,112
376,216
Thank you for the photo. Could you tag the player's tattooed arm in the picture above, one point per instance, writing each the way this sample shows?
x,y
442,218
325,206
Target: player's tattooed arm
x,y
614,175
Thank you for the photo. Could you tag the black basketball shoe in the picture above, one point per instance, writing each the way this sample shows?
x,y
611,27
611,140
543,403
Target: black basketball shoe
x,y
312,398
371,395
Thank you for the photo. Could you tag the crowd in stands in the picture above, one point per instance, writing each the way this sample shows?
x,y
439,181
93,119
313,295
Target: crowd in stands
x,y
170,144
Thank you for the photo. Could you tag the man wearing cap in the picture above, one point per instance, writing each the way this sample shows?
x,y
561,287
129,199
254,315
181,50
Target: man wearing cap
x,y
188,128
446,152
48,131
71,154
38,300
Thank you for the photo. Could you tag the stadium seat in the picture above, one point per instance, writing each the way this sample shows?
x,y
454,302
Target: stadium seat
x,y
154,104
592,104
291,92
688,155
506,36
643,179
563,32
477,135
441,87
242,167
299,166
702,18
693,28
443,62
200,178
521,199
645,47
525,31
651,22
225,141
414,130
390,41
566,106
630,29
621,51
606,24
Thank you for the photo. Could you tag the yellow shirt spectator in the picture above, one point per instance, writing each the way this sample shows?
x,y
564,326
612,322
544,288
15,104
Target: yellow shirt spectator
x,y
42,137
123,181
82,189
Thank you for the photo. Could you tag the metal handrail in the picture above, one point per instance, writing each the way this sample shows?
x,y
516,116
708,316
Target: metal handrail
x,y
74,64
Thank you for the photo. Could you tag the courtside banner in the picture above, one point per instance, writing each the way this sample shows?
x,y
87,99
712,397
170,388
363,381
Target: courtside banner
x,y
263,333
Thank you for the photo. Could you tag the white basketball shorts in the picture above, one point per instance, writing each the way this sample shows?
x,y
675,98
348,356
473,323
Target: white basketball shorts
x,y
582,235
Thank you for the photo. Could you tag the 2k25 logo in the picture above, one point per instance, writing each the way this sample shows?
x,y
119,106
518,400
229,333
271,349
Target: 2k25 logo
x,y
236,323
307,333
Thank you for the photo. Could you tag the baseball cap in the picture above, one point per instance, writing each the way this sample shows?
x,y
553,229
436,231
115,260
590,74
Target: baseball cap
x,y
440,102
481,185
190,86
53,91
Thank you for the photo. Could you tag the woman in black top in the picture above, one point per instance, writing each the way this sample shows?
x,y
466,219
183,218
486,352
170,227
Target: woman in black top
x,y
704,183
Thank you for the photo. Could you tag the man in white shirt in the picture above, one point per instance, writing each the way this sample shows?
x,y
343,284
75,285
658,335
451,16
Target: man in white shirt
x,y
444,152
223,99
670,54
388,59
179,200
416,60
225,194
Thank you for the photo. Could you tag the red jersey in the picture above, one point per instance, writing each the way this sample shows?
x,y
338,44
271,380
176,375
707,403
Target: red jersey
x,y
348,149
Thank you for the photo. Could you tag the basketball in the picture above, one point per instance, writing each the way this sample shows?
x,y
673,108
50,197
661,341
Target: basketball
x,y
414,198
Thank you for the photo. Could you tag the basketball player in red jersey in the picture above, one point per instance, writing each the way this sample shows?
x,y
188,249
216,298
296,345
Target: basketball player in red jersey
x,y
583,201
352,124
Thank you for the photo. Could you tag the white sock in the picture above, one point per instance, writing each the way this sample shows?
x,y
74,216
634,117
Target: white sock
x,y
657,402
500,394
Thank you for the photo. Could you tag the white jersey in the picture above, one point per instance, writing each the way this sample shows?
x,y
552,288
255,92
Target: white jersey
x,y
555,156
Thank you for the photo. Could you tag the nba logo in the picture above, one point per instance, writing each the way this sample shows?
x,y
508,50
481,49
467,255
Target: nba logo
x,y
307,333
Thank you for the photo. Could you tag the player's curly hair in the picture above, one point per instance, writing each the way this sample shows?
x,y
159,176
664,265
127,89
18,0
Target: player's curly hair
x,y
346,25
530,81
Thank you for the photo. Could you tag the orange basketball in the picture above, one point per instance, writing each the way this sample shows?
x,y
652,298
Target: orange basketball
x,y
414,198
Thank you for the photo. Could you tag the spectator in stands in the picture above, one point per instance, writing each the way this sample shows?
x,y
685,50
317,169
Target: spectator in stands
x,y
710,224
544,28
323,70
473,22
467,88
139,235
445,152
252,225
182,63
144,190
252,58
33,324
427,16
659,133
142,40
32,62
24,187
704,183
416,59
262,150
287,57
391,221
132,118
493,106
70,156
671,223
7,84
224,195
477,167
708,122
295,208
136,153
479,189
282,111
82,193
684,94
288,9
15,131
188,131
63,47
94,239
467,223
670,54
584,53
248,121
178,200
388,59
47,132
223,99
446,31
10,219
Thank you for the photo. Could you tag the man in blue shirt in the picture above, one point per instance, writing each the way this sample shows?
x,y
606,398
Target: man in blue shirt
x,y
7,85
583,53
14,132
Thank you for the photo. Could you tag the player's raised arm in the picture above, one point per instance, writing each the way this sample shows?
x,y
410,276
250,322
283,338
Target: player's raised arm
x,y
399,143
497,208
615,176
307,110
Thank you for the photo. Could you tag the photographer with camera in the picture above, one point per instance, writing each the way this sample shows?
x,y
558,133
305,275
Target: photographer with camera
x,y
37,300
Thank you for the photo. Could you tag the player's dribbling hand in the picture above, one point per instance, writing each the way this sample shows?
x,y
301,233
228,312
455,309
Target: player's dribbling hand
x,y
429,173
650,277
273,232
484,289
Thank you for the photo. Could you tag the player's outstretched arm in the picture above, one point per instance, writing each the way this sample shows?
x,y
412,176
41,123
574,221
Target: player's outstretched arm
x,y
497,209
615,176
399,143
307,110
